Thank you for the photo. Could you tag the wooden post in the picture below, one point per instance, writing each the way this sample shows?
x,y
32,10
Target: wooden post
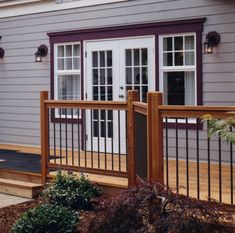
x,y
155,138
132,97
44,135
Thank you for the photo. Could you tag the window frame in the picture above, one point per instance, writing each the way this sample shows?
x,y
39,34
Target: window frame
x,y
67,72
183,68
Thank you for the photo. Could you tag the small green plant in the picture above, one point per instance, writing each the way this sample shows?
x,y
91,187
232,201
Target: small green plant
x,y
46,218
220,127
71,191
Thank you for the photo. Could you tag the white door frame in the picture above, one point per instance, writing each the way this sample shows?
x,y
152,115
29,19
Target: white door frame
x,y
118,46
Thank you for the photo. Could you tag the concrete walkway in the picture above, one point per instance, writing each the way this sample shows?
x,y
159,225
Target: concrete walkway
x,y
7,200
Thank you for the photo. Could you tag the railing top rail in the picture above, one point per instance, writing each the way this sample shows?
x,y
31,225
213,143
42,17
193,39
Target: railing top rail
x,y
140,107
196,111
82,104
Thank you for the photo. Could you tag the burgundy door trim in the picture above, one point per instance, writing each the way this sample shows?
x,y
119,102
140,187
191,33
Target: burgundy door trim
x,y
180,26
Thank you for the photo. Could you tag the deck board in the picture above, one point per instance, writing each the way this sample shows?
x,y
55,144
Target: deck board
x,y
122,182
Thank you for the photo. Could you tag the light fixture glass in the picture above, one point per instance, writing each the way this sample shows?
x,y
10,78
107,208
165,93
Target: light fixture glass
x,y
208,49
41,52
38,57
212,40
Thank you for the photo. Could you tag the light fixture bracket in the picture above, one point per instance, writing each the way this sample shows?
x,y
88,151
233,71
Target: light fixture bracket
x,y
213,38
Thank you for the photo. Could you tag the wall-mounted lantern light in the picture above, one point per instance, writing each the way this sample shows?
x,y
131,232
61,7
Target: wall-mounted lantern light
x,y
212,40
2,53
41,52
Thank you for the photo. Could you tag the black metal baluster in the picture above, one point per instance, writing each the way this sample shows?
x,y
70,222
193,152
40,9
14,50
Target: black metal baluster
x,y
66,135
209,165
85,138
177,155
72,138
231,168
167,155
99,131
60,138
92,159
105,145
79,143
187,159
220,171
49,140
112,140
119,142
54,132
126,142
198,165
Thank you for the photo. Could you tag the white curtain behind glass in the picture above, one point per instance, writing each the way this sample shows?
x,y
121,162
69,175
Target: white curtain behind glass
x,y
68,87
189,79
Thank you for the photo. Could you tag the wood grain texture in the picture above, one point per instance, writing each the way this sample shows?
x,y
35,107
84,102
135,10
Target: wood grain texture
x,y
132,97
123,182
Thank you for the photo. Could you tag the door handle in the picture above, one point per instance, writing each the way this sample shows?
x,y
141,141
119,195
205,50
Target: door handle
x,y
121,96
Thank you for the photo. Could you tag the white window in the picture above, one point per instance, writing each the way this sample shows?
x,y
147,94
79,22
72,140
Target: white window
x,y
67,66
178,69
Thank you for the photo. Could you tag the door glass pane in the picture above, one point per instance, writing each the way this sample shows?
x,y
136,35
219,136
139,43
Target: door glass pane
x,y
102,76
137,73
102,58
109,59
144,56
109,76
102,90
128,75
136,57
144,75
128,57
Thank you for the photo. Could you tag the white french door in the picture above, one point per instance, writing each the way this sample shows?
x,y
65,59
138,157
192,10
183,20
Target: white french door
x,y
113,67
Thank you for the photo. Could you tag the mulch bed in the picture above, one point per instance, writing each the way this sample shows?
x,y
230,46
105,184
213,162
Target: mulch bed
x,y
9,214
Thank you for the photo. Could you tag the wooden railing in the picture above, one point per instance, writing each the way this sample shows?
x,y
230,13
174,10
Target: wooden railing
x,y
173,145
113,159
196,165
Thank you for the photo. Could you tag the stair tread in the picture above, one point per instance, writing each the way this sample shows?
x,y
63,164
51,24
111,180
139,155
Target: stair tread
x,y
19,183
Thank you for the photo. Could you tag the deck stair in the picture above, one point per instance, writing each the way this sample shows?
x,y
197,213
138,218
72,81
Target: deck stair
x,y
21,184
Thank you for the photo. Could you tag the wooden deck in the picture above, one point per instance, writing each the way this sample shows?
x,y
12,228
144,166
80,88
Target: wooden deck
x,y
122,182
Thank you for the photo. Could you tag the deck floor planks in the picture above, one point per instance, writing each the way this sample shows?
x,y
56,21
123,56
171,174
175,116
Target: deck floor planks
x,y
122,182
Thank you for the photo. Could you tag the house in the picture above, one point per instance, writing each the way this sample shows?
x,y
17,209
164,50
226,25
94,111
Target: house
x,y
97,50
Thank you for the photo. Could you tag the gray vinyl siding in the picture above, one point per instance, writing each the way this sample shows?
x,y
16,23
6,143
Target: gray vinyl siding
x,y
21,79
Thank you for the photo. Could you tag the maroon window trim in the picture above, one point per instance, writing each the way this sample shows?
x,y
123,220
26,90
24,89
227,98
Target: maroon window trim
x,y
156,29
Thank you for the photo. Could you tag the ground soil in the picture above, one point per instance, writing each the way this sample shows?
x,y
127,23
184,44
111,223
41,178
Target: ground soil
x,y
9,214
